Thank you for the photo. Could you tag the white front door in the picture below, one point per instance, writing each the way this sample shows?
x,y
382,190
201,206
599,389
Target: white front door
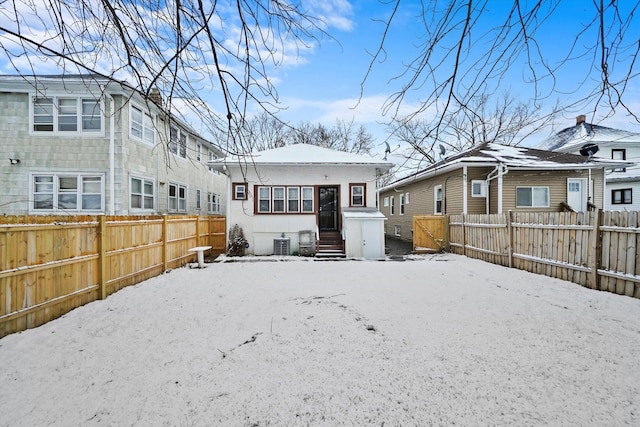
x,y
577,194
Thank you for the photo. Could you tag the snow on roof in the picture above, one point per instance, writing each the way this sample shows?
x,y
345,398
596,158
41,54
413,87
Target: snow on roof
x,y
306,154
574,137
490,154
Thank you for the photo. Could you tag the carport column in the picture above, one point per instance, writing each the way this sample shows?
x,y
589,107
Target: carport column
x,y
500,188
464,189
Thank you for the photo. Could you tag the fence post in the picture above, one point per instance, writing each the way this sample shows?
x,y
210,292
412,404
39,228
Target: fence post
x,y
464,235
165,237
509,216
596,243
198,230
446,233
102,255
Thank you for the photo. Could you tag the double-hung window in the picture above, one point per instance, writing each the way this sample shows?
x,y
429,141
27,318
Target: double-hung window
x,y
293,199
402,204
357,194
213,203
392,206
239,191
264,199
141,126
66,115
177,198
142,194
307,199
532,197
198,199
67,192
619,154
178,142
278,199
437,199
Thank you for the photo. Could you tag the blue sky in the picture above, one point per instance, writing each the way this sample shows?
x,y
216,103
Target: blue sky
x,y
323,83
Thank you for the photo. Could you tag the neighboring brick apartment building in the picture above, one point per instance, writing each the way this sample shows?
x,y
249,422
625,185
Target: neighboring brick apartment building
x,y
88,145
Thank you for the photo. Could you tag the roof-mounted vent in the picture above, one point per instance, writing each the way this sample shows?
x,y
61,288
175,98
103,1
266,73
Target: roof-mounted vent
x,y
581,119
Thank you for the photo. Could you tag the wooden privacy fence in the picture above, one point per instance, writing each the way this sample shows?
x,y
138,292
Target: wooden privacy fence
x,y
429,233
50,265
594,249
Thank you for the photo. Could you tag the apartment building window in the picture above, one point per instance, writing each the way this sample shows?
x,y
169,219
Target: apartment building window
x,y
392,206
177,198
402,204
67,192
622,196
437,199
264,199
619,154
177,142
198,199
532,197
141,126
66,115
278,200
213,203
357,194
142,194
198,151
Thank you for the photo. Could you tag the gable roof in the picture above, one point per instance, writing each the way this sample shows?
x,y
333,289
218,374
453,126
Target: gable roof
x,y
522,158
574,137
303,154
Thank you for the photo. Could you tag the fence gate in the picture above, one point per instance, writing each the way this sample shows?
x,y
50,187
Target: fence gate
x,y
429,233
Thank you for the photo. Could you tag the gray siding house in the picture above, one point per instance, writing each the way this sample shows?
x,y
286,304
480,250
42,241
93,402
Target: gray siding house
x,y
88,145
493,178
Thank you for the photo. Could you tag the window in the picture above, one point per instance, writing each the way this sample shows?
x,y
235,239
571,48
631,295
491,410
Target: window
x,y
198,151
307,199
406,198
437,199
213,203
478,188
622,196
142,125
66,115
619,154
198,200
178,142
282,200
396,230
385,202
391,205
264,199
402,204
67,192
532,197
142,194
357,194
239,191
293,199
177,198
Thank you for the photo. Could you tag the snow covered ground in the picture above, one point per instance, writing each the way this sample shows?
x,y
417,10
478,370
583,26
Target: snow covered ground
x,y
439,340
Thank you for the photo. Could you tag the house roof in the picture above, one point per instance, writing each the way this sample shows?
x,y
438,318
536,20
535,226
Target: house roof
x,y
574,137
303,154
523,158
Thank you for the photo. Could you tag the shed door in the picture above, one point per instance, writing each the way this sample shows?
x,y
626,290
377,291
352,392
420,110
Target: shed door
x,y
577,194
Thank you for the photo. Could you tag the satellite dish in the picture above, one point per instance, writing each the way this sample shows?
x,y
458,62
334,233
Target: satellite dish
x,y
442,150
588,150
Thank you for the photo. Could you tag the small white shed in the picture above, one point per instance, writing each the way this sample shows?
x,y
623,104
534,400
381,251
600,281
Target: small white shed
x,y
363,233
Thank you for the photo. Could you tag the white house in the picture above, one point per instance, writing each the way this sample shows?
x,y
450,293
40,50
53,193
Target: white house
x,y
276,194
622,184
83,144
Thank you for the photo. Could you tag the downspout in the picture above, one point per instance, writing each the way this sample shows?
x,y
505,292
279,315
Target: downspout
x,y
498,172
112,157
